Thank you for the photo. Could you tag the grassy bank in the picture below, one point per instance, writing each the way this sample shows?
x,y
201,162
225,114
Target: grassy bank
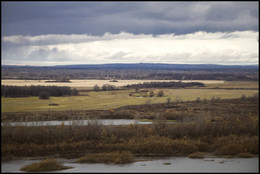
x,y
112,157
44,166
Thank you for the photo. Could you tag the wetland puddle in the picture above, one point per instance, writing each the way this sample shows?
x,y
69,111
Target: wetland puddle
x,y
78,122
169,164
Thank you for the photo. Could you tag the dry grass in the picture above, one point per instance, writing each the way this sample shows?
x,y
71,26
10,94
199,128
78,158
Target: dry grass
x,y
245,155
113,99
91,83
44,166
197,155
224,127
235,84
112,157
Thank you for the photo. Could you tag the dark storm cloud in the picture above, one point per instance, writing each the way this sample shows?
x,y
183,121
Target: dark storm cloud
x,y
96,18
51,33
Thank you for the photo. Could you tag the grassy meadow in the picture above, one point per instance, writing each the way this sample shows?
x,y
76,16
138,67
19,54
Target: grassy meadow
x,y
233,84
221,119
112,99
83,84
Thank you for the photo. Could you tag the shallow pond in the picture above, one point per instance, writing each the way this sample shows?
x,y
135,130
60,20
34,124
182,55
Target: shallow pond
x,y
79,122
171,164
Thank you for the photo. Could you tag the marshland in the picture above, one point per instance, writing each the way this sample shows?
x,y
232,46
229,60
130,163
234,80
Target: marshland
x,y
123,87
196,119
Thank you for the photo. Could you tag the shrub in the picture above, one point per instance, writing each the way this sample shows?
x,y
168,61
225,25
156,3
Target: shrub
x,y
112,157
229,149
196,155
243,97
151,94
45,165
160,94
53,104
44,95
245,155
107,87
96,88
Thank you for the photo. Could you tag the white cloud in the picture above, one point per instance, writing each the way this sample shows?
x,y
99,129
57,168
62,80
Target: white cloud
x,y
240,47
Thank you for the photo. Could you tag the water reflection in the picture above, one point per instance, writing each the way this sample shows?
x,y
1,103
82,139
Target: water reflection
x,y
172,164
78,122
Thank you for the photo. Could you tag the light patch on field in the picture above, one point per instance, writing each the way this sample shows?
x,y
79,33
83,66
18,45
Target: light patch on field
x,y
113,99
91,83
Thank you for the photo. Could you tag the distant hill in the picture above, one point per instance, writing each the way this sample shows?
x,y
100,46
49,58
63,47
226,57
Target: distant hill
x,y
159,66
156,66
133,71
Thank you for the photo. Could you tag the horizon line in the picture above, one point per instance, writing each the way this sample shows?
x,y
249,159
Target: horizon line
x,y
256,64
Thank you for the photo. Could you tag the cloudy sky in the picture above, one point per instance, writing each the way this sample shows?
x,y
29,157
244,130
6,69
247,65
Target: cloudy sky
x,y
60,33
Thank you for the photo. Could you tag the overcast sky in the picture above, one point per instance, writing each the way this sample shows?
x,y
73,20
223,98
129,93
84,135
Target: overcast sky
x,y
60,33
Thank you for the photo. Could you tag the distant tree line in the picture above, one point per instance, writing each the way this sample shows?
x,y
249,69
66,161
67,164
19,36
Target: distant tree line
x,y
23,91
165,85
66,74
60,79
105,87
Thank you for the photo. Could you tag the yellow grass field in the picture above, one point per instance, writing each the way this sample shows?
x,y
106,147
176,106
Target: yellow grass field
x,y
112,99
81,84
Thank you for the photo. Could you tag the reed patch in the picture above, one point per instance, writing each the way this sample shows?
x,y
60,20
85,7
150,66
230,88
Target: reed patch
x,y
44,166
122,157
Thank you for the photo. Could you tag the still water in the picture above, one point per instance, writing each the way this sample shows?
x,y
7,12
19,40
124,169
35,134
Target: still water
x,y
170,164
79,122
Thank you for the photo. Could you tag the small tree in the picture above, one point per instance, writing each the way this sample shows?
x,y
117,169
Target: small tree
x,y
96,88
75,92
160,94
243,97
44,95
151,94
107,87
168,100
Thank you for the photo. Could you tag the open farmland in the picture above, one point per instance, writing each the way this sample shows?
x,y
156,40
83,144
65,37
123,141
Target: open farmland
x,y
113,99
129,87
216,118
82,84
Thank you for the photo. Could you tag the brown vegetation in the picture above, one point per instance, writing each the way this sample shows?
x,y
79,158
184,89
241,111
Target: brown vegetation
x,y
115,158
222,127
214,110
197,155
44,166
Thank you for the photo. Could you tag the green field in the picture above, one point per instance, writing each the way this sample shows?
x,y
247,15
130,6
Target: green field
x,y
112,99
234,84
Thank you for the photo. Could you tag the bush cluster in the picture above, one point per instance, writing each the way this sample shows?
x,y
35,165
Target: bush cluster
x,y
165,85
230,128
44,166
22,91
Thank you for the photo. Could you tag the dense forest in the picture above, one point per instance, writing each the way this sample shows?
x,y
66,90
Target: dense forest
x,y
23,91
165,85
132,71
